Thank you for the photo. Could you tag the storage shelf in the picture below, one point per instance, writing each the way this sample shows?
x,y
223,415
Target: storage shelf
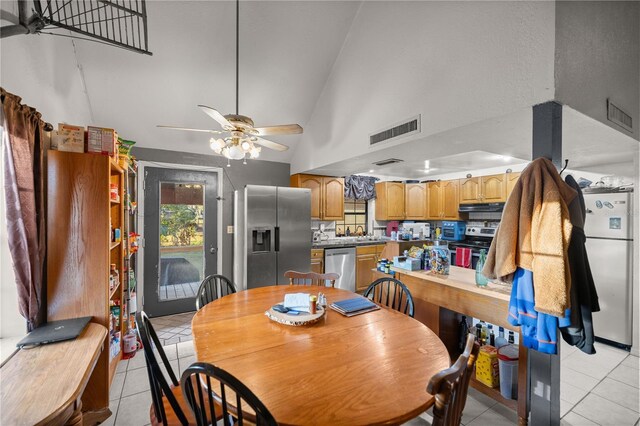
x,y
114,245
114,291
113,202
493,393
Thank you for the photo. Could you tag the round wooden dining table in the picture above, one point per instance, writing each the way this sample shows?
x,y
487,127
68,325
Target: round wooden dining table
x,y
367,369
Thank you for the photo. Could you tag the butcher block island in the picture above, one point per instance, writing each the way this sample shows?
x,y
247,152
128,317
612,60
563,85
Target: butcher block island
x,y
441,300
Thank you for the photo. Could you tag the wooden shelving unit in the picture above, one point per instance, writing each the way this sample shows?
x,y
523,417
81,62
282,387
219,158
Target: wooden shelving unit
x,y
81,250
493,393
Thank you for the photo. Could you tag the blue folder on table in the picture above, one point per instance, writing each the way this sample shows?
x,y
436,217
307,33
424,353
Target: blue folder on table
x,y
354,306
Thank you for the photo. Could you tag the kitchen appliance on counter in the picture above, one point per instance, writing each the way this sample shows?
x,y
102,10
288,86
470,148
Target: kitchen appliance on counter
x,y
273,234
609,231
477,237
342,261
453,230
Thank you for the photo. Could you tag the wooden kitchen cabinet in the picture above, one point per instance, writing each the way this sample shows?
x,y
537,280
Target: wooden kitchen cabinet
x,y
415,201
366,260
493,188
483,189
443,200
390,201
327,195
317,261
511,179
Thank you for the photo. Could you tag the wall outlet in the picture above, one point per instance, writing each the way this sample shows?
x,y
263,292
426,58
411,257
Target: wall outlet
x,y
230,229
322,227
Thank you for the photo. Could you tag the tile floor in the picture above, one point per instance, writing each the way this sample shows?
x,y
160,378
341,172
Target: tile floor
x,y
600,389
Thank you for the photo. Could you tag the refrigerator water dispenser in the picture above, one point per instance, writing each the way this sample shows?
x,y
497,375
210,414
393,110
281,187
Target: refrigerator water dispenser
x,y
261,241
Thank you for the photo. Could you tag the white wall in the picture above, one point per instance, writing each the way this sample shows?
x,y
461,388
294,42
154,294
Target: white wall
x,y
42,71
453,62
598,57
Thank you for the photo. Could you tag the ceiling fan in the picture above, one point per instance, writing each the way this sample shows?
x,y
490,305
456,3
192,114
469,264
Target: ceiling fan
x,y
243,137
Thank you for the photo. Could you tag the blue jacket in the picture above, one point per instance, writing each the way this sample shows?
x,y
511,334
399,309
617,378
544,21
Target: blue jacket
x,y
539,331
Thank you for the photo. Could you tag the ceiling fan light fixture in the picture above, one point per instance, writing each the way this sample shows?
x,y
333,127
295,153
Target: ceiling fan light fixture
x,y
246,146
254,152
234,152
217,145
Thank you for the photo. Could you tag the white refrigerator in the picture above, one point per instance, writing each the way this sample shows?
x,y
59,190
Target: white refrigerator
x,y
609,231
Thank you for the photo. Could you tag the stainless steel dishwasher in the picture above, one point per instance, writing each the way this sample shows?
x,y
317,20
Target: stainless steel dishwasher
x,y
342,261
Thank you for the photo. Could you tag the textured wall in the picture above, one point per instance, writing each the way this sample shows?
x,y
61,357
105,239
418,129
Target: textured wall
x,y
598,57
455,63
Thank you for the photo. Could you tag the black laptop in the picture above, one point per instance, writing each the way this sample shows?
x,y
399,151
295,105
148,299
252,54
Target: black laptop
x,y
55,331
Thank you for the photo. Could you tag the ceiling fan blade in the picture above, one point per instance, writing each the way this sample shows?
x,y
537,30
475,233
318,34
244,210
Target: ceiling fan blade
x,y
215,132
284,129
217,116
270,144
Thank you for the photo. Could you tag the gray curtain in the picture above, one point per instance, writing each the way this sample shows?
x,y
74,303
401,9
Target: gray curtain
x,y
360,187
22,153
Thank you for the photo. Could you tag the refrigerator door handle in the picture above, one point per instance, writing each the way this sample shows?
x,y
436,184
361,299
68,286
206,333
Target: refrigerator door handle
x,y
276,237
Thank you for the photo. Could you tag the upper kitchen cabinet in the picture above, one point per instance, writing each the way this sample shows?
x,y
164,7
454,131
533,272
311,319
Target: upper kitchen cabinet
x,y
415,201
327,195
390,201
483,189
512,179
442,200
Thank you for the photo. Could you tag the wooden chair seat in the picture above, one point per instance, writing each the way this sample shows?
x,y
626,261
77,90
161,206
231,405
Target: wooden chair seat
x,y
172,419
311,278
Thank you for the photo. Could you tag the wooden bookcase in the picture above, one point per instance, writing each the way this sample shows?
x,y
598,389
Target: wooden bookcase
x,y
80,250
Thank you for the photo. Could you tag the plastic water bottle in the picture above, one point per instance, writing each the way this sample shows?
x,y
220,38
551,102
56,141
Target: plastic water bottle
x,y
481,280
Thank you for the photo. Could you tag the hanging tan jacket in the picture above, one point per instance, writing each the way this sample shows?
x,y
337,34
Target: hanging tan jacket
x,y
534,234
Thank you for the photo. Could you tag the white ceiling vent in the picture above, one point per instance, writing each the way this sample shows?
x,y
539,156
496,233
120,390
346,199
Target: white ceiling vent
x,y
403,128
387,162
619,117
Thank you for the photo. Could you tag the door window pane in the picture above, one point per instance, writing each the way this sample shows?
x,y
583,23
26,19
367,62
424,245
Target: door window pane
x,y
181,240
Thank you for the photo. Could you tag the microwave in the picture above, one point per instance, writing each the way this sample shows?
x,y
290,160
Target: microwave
x,y
453,230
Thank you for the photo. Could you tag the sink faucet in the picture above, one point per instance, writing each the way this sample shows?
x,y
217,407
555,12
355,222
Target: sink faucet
x,y
361,230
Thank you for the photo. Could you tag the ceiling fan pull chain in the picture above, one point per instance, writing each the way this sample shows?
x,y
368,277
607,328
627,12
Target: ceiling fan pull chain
x,y
237,54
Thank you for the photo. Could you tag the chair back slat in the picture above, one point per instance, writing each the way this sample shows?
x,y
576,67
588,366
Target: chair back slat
x,y
312,278
391,293
201,372
212,288
159,385
451,386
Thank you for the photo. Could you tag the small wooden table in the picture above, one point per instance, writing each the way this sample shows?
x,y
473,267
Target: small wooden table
x,y
43,385
368,369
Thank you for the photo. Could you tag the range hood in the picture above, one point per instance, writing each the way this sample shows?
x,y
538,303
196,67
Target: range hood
x,y
481,207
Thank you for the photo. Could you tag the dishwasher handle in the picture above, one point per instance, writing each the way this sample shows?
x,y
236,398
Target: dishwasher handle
x,y
328,253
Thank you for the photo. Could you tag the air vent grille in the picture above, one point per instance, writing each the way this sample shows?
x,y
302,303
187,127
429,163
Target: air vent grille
x,y
387,161
619,117
405,128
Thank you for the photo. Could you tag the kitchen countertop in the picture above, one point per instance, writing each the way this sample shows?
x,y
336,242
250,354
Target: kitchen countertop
x,y
341,244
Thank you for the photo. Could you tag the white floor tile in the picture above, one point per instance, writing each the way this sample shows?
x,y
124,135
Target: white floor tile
x,y
577,379
115,391
624,374
573,419
113,406
571,393
632,361
185,349
186,362
134,410
136,381
122,366
137,361
620,393
497,415
170,351
605,412
565,407
597,365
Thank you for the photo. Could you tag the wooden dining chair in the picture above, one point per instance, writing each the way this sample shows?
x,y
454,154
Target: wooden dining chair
x,y
450,386
392,293
203,403
311,278
213,287
168,406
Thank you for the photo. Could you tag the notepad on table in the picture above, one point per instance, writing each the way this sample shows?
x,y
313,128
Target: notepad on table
x,y
297,301
354,306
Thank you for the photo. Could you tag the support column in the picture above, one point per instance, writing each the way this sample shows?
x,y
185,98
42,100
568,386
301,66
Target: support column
x,y
544,369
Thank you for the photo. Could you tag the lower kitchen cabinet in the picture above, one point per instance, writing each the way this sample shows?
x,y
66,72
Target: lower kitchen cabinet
x,y
317,261
366,260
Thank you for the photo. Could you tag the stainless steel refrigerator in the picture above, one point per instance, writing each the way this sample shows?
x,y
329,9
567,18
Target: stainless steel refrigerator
x,y
608,228
273,234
